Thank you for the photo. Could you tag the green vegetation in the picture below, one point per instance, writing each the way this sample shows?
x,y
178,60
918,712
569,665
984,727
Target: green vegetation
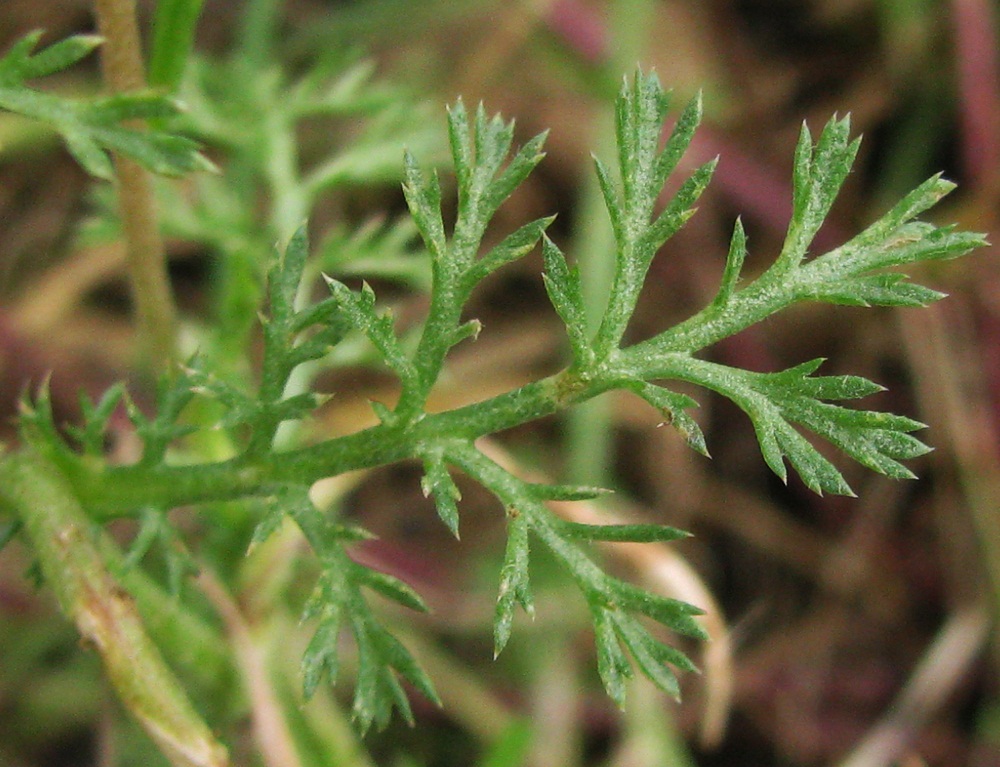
x,y
232,438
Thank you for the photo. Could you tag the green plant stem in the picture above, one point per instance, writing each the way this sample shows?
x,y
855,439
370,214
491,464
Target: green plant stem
x,y
69,551
115,491
121,62
111,492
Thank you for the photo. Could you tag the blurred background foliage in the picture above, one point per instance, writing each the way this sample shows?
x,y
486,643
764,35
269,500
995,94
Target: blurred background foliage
x,y
856,632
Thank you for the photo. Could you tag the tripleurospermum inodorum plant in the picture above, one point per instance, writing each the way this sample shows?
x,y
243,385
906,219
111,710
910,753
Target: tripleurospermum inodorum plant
x,y
62,490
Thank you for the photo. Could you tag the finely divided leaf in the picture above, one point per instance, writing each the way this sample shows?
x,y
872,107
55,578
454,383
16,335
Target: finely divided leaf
x,y
96,417
514,581
639,113
437,482
520,166
673,406
672,613
514,246
610,600
637,533
612,664
285,275
818,175
423,197
380,657
336,601
631,202
322,656
91,128
359,309
679,209
563,286
875,290
19,64
174,392
651,655
734,265
679,141
461,145
775,401
388,586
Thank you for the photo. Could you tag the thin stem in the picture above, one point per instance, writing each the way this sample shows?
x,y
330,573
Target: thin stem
x,y
121,61
113,492
69,552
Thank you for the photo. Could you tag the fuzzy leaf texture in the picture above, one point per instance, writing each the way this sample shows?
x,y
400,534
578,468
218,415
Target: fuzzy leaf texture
x,y
337,603
781,405
853,274
612,602
94,127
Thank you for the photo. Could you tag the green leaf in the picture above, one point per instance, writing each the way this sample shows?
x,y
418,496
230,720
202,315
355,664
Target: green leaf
x,y
679,141
774,401
614,626
96,418
388,586
819,173
461,145
610,600
566,294
423,196
285,275
492,141
293,501
567,492
478,152
652,656
19,64
174,392
359,309
734,265
679,209
92,128
673,406
639,112
337,601
910,243
514,586
672,613
326,604
612,665
612,198
875,290
520,166
378,691
437,483
174,26
155,530
643,169
270,522
634,533
37,422
514,246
